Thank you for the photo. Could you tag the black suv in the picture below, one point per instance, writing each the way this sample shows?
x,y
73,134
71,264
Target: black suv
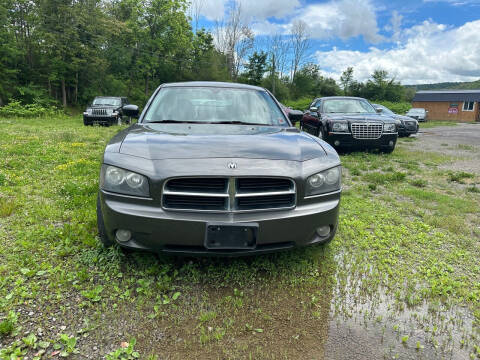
x,y
106,110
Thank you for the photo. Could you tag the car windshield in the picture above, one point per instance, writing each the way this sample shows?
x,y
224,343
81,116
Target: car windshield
x,y
385,110
214,105
347,106
106,101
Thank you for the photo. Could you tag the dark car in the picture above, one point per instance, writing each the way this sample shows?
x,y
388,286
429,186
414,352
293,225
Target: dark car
x,y
106,110
406,126
350,122
217,169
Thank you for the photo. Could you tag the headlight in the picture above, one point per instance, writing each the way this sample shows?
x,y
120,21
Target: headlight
x,y
89,111
122,181
324,182
109,111
341,127
389,127
114,113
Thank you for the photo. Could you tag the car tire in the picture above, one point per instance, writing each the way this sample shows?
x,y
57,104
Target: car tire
x,y
387,150
320,133
102,232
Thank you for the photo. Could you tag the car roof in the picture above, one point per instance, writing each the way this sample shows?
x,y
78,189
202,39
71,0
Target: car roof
x,y
213,84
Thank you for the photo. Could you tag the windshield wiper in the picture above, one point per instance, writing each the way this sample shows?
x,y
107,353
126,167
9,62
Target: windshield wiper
x,y
236,122
172,121
205,122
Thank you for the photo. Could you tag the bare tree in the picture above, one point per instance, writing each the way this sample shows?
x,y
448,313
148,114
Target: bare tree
x,y
195,11
234,38
300,44
279,48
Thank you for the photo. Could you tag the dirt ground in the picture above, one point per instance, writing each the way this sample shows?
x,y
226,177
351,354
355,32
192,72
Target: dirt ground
x,y
461,141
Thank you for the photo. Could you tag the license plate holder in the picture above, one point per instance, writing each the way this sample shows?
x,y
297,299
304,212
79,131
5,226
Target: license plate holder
x,y
225,236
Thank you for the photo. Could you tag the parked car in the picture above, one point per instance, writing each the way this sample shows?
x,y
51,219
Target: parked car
x,y
419,114
106,110
217,169
350,122
406,125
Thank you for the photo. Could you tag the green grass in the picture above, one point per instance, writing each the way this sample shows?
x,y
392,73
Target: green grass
x,y
435,123
407,233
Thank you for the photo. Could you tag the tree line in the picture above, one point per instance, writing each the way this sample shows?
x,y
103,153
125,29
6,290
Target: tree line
x,y
68,51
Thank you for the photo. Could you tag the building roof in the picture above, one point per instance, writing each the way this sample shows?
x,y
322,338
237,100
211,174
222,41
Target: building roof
x,y
447,95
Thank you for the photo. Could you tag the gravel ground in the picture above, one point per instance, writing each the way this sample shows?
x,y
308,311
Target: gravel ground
x,y
461,141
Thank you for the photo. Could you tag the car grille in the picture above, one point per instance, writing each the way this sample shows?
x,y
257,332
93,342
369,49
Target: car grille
x,y
99,112
367,131
229,194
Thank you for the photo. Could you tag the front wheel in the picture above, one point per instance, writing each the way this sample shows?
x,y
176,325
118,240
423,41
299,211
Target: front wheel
x,y
387,150
320,133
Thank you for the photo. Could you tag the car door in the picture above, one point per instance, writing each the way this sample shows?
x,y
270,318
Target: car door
x,y
312,118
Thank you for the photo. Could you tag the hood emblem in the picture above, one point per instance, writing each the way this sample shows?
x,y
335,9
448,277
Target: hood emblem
x,y
232,165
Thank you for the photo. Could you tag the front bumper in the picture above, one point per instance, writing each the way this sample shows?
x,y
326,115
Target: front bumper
x,y
101,120
407,129
183,233
346,140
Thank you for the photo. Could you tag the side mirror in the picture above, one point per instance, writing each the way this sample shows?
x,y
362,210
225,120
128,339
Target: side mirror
x,y
130,110
313,109
379,110
295,115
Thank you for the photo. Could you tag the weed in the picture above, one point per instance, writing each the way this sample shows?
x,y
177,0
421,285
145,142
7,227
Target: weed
x,y
125,352
7,326
459,176
418,182
6,207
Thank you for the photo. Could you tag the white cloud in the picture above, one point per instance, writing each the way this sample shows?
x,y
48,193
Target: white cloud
x,y
254,10
264,9
335,18
429,52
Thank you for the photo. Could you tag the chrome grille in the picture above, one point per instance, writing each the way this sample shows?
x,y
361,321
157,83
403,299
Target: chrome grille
x,y
101,112
228,194
367,131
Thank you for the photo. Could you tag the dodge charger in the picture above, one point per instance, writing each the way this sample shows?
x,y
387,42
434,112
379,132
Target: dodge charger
x,y
216,169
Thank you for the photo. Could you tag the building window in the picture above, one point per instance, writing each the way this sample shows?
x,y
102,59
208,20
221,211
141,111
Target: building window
x,y
468,105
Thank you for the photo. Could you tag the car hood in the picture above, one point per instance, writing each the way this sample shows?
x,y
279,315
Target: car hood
x,y
103,107
359,117
403,118
197,141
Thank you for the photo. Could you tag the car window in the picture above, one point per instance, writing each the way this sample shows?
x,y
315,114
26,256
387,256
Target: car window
x,y
106,101
385,110
210,104
347,106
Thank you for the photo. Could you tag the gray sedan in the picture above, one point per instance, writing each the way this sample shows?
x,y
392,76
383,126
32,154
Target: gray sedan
x,y
217,169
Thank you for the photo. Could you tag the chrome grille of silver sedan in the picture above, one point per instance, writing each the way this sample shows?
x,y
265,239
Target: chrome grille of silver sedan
x,y
228,194
367,130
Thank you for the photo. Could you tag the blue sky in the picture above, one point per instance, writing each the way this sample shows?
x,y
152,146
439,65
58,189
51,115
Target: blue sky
x,y
417,41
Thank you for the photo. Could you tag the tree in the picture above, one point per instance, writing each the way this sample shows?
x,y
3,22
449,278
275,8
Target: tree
x,y
234,38
256,68
300,44
346,80
8,55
